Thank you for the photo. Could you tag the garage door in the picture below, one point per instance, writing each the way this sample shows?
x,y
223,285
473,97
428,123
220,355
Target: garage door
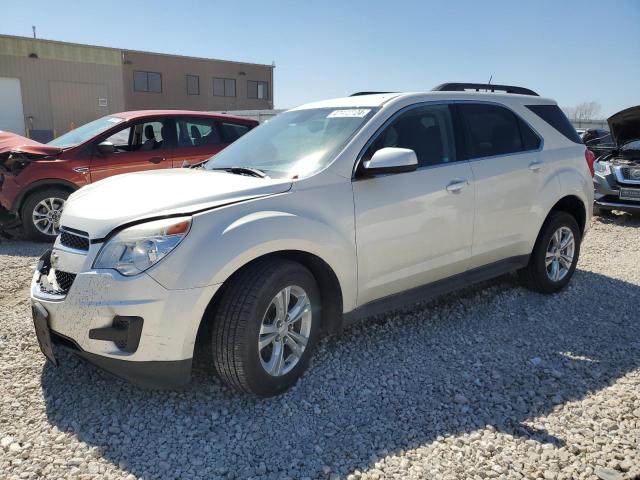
x,y
76,103
11,114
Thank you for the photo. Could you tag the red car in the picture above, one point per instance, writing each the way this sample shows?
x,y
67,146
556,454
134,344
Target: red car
x,y
36,178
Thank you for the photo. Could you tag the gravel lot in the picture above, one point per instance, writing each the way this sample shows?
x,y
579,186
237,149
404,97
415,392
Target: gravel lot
x,y
493,382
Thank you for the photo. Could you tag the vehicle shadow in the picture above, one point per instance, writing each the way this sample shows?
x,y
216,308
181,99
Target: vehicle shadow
x,y
391,384
619,218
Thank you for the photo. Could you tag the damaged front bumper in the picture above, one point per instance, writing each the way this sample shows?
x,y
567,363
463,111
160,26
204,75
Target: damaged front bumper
x,y
615,192
131,327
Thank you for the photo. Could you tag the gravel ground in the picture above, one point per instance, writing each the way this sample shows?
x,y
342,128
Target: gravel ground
x,y
493,382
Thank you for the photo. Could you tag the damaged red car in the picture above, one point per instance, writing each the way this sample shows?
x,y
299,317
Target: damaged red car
x,y
36,178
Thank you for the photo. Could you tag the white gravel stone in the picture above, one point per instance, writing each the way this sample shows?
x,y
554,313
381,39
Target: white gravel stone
x,y
444,390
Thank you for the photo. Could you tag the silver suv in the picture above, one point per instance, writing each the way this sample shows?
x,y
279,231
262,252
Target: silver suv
x,y
330,212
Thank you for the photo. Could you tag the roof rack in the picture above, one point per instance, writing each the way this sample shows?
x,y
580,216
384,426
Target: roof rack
x,y
358,94
461,87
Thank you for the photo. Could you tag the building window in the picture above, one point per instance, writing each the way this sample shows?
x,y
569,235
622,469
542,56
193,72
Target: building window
x,y
224,87
193,85
147,82
259,90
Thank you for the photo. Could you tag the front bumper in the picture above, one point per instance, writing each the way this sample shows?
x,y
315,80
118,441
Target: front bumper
x,y
162,353
607,194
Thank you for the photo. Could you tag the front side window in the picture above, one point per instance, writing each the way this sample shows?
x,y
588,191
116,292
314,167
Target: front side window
x,y
142,136
294,144
259,90
197,132
224,87
494,130
147,82
427,130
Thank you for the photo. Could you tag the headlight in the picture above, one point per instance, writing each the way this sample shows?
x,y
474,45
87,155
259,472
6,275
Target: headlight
x,y
137,248
601,168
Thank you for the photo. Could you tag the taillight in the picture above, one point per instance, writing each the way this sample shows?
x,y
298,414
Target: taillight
x,y
590,157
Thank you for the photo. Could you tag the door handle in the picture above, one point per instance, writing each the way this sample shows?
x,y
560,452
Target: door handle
x,y
456,185
156,160
535,166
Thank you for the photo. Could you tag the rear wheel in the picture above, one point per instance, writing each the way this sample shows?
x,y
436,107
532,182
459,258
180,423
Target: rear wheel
x,y
554,255
41,214
266,327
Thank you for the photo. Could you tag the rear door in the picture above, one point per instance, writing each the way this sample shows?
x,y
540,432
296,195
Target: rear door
x,y
506,159
198,138
139,146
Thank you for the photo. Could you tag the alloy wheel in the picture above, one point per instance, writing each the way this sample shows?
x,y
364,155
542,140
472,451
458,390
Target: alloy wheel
x,y
46,215
560,254
285,331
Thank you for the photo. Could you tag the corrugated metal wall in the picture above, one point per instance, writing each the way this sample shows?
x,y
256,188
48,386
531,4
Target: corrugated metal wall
x,y
44,67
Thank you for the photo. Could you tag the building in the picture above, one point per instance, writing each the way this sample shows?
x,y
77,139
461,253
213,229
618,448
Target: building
x,y
48,88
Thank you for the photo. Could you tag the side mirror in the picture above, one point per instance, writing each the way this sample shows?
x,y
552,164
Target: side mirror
x,y
391,160
106,148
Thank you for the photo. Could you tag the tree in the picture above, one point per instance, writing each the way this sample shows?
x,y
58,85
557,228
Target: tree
x,y
583,111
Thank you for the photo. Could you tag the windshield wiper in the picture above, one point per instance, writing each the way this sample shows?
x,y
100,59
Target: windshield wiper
x,y
254,172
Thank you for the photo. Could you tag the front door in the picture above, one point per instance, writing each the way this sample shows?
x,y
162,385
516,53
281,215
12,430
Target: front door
x,y
414,228
139,146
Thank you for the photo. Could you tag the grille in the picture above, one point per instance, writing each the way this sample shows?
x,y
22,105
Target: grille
x,y
626,174
75,241
65,280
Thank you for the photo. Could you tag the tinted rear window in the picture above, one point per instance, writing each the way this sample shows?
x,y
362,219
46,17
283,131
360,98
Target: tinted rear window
x,y
558,120
491,130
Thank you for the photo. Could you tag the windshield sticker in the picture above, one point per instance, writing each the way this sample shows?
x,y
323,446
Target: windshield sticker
x,y
351,113
114,120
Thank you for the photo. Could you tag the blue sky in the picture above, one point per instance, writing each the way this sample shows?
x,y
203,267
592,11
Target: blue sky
x,y
573,51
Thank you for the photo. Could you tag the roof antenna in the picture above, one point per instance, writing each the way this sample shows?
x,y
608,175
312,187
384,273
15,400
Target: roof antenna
x,y
489,82
33,27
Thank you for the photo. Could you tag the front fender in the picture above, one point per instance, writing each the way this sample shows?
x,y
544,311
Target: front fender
x,y
223,241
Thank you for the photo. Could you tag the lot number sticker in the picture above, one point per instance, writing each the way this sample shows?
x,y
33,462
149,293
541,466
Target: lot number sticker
x,y
351,113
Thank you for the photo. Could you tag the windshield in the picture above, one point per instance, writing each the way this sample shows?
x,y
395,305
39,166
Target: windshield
x,y
85,132
294,144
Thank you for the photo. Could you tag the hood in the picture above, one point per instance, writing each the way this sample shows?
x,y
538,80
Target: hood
x,y
102,206
625,125
10,142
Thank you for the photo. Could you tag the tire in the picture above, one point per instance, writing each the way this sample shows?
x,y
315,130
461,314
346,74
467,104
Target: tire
x,y
536,275
245,308
46,230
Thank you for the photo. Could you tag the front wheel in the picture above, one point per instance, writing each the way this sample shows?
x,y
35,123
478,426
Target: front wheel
x,y
266,327
41,214
555,254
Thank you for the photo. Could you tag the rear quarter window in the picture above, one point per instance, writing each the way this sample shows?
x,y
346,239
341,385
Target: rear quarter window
x,y
558,120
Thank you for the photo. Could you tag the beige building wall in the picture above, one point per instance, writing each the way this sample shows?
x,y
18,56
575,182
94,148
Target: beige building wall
x,y
63,85
174,70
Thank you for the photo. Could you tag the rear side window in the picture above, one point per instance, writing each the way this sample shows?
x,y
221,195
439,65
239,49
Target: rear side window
x,y
233,131
491,130
558,120
197,132
530,140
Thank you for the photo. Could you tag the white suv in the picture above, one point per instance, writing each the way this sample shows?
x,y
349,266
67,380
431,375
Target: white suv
x,y
330,212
